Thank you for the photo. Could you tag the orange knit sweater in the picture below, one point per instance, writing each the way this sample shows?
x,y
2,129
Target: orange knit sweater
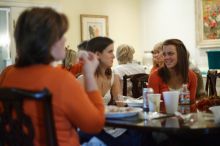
x,y
73,107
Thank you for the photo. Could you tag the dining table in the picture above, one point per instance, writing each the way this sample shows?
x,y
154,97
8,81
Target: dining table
x,y
192,128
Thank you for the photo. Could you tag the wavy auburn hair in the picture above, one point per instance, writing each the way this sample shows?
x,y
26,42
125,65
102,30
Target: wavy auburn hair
x,y
37,29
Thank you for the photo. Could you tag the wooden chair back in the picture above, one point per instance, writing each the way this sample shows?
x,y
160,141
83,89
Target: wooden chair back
x,y
16,127
210,87
138,82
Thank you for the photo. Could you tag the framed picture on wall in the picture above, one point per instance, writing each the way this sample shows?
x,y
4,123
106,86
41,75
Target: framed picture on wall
x,y
208,23
93,26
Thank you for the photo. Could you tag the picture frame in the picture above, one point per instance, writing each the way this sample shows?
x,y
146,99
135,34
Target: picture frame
x,y
93,26
207,23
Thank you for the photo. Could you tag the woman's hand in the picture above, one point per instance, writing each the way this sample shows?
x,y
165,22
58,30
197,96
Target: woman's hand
x,y
90,63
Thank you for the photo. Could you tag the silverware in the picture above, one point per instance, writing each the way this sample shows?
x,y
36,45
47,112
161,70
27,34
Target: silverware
x,y
141,97
164,116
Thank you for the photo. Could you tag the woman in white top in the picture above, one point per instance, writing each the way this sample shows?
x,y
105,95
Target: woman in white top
x,y
108,82
124,55
109,86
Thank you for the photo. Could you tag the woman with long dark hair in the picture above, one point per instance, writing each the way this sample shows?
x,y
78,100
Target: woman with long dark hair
x,y
109,86
108,82
175,71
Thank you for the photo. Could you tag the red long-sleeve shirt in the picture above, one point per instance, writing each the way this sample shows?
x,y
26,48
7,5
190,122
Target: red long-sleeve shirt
x,y
159,86
76,69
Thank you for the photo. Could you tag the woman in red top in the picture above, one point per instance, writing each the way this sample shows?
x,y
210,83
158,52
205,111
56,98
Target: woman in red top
x,y
76,69
175,71
39,37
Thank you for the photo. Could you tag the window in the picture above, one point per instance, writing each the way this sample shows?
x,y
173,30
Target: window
x,y
4,38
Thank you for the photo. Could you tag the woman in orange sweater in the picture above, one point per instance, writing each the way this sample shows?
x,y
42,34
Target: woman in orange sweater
x,y
39,37
175,71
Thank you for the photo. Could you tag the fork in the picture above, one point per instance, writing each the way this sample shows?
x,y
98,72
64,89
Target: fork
x,y
141,97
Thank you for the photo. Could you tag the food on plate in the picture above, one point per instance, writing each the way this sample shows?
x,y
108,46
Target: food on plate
x,y
120,112
113,109
134,100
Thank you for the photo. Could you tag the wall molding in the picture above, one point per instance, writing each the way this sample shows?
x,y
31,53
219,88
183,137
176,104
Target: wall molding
x,y
16,3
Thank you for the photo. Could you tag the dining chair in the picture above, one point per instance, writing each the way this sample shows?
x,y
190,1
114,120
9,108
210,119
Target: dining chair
x,y
138,81
16,127
211,80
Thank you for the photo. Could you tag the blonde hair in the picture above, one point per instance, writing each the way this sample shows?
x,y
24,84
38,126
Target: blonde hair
x,y
124,54
157,47
69,59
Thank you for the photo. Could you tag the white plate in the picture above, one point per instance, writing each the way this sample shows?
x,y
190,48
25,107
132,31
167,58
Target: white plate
x,y
134,102
121,112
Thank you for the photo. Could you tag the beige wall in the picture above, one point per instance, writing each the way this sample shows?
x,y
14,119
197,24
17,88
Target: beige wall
x,y
124,20
140,23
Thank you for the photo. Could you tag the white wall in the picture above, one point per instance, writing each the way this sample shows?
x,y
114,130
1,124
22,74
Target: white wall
x,y
164,19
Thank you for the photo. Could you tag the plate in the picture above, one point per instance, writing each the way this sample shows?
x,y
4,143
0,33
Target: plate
x,y
134,102
121,112
154,115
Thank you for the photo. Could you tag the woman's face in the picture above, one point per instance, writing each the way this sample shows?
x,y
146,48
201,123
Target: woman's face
x,y
158,56
170,56
58,49
107,56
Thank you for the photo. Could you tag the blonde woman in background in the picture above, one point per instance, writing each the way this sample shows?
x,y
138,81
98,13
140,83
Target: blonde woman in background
x,y
70,59
158,59
76,68
124,55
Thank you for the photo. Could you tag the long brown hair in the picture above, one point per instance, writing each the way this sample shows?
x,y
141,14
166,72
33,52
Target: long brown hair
x,y
182,66
98,44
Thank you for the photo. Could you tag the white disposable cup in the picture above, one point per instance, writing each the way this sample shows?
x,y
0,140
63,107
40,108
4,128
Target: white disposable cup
x,y
171,99
154,102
